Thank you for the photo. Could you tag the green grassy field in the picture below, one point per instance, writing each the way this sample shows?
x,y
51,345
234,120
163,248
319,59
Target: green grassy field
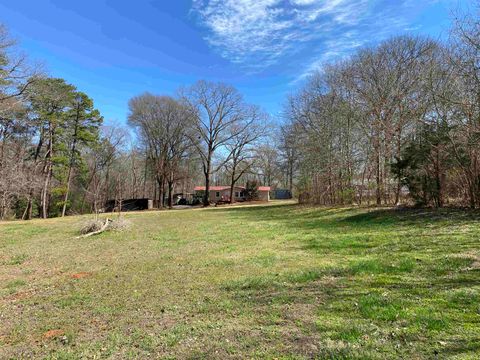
x,y
276,282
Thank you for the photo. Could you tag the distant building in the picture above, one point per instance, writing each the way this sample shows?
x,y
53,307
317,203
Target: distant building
x,y
282,194
129,205
222,193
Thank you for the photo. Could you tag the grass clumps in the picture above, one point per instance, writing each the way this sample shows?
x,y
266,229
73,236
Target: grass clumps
x,y
18,259
382,266
380,307
430,319
352,334
13,285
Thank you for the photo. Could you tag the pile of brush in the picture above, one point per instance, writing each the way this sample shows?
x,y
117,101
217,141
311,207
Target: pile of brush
x,y
97,226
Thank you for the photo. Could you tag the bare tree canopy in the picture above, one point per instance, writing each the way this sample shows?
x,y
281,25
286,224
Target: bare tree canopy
x,y
220,115
16,73
358,122
162,124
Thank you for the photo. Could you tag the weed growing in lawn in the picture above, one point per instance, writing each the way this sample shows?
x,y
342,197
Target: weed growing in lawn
x,y
18,259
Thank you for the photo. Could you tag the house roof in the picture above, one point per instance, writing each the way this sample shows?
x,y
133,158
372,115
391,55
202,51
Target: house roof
x,y
223,187
217,188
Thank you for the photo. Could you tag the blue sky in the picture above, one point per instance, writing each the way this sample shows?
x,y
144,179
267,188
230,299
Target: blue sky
x,y
116,49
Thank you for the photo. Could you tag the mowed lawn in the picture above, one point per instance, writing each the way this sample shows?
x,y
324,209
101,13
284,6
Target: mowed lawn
x,y
280,281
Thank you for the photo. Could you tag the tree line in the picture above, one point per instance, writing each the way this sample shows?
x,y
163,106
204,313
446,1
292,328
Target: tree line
x,y
58,156
395,122
44,125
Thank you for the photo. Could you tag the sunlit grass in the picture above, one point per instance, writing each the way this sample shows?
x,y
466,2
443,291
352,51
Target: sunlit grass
x,y
279,281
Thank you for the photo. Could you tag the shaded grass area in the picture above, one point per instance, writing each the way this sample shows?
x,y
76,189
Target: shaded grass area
x,y
276,282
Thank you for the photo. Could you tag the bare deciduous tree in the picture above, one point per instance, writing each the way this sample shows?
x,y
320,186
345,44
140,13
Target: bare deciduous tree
x,y
240,148
219,114
162,123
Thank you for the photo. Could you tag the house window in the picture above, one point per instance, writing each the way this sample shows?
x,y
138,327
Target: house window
x,y
237,194
217,194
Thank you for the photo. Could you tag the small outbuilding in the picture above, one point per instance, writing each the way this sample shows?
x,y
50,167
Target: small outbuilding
x,y
222,193
282,194
129,205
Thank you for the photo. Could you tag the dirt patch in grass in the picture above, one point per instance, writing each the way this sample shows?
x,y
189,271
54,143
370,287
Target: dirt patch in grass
x,y
21,295
52,334
81,275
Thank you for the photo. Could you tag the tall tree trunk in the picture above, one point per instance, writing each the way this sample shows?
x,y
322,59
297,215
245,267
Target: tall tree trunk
x,y
155,198
134,177
67,191
107,185
48,170
206,197
31,194
362,185
290,176
3,206
44,195
170,193
438,179
71,162
471,193
145,177
377,176
29,209
206,171
232,186
398,154
161,189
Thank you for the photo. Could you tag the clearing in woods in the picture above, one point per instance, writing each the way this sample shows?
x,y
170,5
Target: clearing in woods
x,y
271,281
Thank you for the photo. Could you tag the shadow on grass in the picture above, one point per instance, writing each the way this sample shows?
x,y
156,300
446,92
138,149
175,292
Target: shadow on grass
x,y
364,231
399,315
459,347
309,217
414,216
396,272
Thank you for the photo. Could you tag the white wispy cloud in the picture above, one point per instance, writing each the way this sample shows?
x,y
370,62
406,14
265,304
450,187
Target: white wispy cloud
x,y
258,33
264,30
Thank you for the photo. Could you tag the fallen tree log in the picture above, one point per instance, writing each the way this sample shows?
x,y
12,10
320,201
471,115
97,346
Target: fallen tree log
x,y
99,231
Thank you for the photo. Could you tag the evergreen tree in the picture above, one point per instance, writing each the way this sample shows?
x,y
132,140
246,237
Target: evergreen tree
x,y
424,162
82,130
